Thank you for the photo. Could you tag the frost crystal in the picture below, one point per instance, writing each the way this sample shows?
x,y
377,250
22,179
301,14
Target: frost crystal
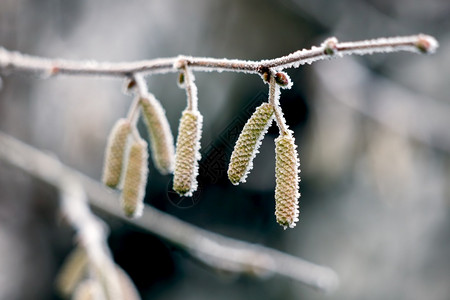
x,y
249,140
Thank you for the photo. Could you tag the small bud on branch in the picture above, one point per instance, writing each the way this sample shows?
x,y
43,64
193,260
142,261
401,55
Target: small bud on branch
x,y
283,80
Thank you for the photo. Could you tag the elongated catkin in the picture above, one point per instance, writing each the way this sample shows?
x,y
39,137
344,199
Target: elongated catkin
x,y
114,156
249,140
72,272
161,139
187,153
135,180
287,180
89,289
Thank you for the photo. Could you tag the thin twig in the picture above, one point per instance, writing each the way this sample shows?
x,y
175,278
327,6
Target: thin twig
x,y
429,125
215,250
191,89
17,62
141,85
274,95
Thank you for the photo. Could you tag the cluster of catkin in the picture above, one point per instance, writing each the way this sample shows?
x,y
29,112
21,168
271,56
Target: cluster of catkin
x,y
126,158
126,153
287,163
83,277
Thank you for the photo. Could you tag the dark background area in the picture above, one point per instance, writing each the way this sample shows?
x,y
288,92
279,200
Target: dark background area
x,y
373,135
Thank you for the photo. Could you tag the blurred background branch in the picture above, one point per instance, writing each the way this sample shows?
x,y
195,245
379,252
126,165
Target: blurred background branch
x,y
219,252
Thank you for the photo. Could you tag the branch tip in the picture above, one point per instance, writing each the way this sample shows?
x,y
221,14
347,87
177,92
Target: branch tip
x,y
426,44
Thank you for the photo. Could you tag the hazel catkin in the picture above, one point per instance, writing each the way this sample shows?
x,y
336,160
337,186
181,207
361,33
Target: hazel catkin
x,y
72,272
287,181
161,139
89,289
187,153
249,140
135,180
114,156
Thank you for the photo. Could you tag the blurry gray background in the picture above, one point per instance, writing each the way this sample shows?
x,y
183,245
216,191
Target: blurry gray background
x,y
373,135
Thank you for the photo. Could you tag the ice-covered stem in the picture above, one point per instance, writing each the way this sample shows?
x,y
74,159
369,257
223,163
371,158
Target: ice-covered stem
x,y
274,96
137,84
186,81
16,62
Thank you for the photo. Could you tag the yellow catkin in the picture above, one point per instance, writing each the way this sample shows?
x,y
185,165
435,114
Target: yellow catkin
x,y
287,181
161,139
187,153
135,180
72,272
89,289
249,140
114,156
127,287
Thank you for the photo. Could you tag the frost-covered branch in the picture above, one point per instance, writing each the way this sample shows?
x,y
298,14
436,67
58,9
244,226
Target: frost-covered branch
x,y
16,62
212,249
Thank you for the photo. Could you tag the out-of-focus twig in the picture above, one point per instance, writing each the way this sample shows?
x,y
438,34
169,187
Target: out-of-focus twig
x,y
409,114
215,250
91,235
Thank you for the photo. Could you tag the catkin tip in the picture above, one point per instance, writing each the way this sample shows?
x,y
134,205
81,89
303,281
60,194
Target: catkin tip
x,y
114,156
133,193
241,161
187,153
287,181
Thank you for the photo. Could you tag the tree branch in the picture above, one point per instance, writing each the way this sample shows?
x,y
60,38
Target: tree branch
x,y
215,250
17,62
